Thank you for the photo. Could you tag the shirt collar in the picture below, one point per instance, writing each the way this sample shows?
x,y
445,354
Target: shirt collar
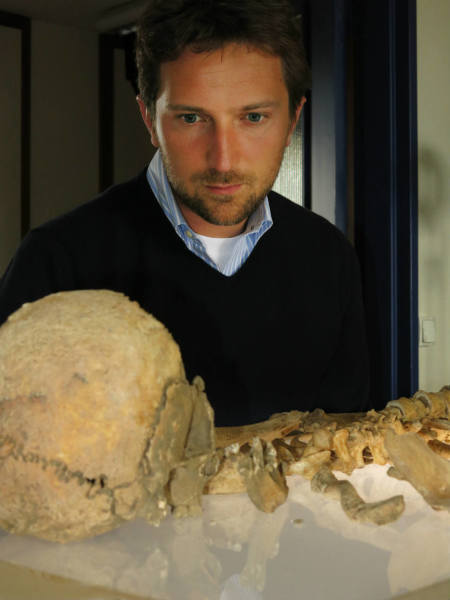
x,y
157,179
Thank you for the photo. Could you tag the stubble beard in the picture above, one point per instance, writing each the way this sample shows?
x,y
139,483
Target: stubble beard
x,y
224,209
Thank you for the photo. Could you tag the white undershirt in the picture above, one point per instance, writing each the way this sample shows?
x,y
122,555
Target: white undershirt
x,y
219,250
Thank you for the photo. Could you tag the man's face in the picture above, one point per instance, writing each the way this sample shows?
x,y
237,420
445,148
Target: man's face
x,y
222,123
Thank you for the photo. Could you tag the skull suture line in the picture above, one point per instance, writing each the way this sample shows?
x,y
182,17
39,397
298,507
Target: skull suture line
x,y
95,413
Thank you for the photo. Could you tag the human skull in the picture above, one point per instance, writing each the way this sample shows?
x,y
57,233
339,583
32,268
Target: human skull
x,y
95,415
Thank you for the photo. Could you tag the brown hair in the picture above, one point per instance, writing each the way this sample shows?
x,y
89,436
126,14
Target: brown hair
x,y
168,27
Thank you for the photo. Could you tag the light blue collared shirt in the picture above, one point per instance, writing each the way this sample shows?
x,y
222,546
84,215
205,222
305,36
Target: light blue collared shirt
x,y
258,223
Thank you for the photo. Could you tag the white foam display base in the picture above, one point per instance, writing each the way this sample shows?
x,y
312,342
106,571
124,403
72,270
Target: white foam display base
x,y
307,549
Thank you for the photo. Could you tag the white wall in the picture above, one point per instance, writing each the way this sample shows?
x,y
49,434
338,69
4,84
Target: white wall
x,y
64,119
433,66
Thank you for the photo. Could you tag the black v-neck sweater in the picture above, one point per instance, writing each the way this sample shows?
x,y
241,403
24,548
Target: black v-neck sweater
x,y
284,332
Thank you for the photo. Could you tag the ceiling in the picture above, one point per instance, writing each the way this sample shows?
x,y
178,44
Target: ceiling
x,y
100,15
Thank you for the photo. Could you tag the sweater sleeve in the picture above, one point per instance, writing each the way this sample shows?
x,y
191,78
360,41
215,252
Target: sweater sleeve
x,y
345,386
40,267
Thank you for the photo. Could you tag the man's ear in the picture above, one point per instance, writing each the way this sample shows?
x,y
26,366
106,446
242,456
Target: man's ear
x,y
145,114
294,121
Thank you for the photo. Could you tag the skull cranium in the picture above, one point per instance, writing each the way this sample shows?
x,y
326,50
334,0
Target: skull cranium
x,y
95,414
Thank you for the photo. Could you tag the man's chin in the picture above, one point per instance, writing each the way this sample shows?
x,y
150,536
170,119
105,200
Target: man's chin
x,y
223,217
224,210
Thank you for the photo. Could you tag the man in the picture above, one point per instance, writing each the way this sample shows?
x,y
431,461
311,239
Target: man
x,y
262,296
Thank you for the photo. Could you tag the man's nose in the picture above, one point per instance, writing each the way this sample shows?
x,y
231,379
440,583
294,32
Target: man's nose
x,y
220,153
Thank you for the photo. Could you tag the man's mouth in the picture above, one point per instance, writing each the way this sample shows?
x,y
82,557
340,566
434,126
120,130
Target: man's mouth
x,y
224,188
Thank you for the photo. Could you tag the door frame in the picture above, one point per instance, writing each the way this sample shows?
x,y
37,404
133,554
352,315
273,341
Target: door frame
x,y
23,24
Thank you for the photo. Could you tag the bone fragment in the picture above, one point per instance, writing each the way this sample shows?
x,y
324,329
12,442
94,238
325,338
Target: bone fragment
x,y
200,460
436,403
188,482
440,448
425,470
166,451
438,429
227,480
395,474
266,486
308,467
322,439
353,505
278,426
410,408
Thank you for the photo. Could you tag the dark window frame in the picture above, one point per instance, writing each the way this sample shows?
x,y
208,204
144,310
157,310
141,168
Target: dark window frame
x,y
364,107
107,44
24,25
386,189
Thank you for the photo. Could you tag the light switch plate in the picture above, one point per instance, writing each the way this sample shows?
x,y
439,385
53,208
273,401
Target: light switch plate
x,y
427,331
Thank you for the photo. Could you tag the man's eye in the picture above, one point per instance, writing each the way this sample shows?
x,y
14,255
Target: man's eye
x,y
255,117
189,118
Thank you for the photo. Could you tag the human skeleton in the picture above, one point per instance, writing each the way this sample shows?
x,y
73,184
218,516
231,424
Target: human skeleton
x,y
98,425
